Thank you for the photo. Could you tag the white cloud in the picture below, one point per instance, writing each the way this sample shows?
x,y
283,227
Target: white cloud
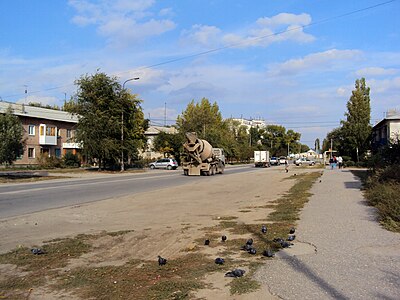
x,y
376,71
121,22
263,32
327,60
202,34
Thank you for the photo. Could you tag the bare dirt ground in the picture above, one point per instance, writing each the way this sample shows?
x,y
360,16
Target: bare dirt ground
x,y
164,222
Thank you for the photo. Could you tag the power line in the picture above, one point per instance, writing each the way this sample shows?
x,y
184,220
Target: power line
x,y
250,40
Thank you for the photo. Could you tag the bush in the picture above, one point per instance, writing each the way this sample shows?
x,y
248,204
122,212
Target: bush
x,y
349,163
71,160
384,196
49,162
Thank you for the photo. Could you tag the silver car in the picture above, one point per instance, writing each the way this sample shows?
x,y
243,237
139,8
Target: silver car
x,y
164,163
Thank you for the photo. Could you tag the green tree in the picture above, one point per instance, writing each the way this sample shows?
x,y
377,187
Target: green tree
x,y
106,111
11,137
205,119
168,144
356,129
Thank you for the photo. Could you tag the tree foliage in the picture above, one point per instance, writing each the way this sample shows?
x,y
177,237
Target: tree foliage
x,y
352,139
205,119
104,110
168,144
356,129
11,137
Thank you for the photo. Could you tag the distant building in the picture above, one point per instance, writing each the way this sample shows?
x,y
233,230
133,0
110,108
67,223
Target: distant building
x,y
386,129
48,132
150,134
251,123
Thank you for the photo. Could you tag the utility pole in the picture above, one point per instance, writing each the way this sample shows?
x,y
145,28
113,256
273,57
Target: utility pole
x,y
122,126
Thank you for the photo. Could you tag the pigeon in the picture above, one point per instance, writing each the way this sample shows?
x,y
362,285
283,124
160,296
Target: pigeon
x,y
37,251
219,261
161,261
286,244
246,247
207,242
264,229
235,273
292,230
249,242
223,238
291,238
252,251
278,240
268,253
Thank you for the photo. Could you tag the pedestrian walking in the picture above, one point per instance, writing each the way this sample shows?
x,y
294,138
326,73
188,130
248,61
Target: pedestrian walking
x,y
340,162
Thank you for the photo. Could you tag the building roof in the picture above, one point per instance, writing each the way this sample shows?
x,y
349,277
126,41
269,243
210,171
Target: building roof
x,y
38,112
391,115
157,129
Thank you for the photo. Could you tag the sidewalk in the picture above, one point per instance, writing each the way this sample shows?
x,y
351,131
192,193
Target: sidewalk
x,y
340,252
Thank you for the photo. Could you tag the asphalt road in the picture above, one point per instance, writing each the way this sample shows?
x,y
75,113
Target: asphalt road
x,y
23,198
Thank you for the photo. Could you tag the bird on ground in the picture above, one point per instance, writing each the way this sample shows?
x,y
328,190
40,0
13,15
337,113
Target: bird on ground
x,y
268,253
249,242
219,261
278,240
37,251
223,238
161,261
252,251
264,229
285,244
235,273
291,238
292,230
246,247
207,242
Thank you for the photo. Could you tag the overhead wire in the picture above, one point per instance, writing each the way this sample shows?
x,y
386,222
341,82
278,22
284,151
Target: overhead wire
x,y
232,45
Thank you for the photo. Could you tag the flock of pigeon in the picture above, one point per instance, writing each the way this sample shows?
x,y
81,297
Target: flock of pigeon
x,y
247,247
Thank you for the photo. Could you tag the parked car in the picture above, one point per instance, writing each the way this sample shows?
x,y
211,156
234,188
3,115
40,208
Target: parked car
x,y
273,161
282,160
165,163
304,161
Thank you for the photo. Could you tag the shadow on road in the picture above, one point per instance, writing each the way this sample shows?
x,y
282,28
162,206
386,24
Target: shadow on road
x,y
301,267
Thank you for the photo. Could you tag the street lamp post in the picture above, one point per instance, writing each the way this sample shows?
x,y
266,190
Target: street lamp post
x,y
122,126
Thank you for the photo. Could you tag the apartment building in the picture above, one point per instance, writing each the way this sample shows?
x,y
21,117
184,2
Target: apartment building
x,y
386,130
48,132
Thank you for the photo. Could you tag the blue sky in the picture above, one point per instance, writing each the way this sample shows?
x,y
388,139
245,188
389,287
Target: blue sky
x,y
291,62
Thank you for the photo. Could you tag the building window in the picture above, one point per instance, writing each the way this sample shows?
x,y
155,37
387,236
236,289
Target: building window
x,y
31,152
58,152
31,129
42,130
50,131
69,133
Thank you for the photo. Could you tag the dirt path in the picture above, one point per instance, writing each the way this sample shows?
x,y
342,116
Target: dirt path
x,y
164,222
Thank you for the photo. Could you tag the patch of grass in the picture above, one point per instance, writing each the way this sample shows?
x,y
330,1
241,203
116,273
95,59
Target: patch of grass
x,y
385,197
19,179
175,280
245,284
382,192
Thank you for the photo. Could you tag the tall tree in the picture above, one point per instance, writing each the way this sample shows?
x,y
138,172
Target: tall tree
x,y
205,119
11,137
356,129
111,120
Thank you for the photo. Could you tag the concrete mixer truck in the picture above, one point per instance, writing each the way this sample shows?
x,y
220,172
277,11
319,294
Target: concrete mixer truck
x,y
201,158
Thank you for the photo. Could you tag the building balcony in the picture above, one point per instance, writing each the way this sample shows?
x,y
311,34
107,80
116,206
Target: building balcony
x,y
47,135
